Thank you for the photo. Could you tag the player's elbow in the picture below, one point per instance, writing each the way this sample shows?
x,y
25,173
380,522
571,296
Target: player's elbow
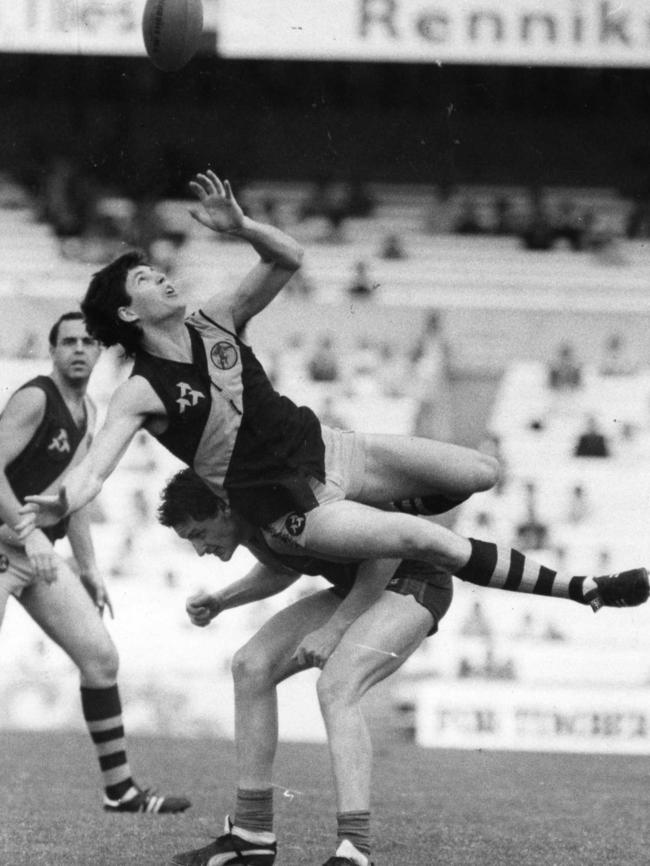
x,y
293,258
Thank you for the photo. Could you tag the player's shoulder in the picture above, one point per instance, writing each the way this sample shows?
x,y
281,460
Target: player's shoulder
x,y
215,313
136,396
28,401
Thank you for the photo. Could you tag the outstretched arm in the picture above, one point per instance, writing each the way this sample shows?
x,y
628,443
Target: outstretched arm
x,y
280,256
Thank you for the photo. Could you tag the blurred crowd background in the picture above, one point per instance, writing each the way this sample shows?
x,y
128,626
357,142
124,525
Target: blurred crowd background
x,y
476,270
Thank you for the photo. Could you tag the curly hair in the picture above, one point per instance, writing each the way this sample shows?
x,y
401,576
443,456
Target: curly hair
x,y
186,496
105,295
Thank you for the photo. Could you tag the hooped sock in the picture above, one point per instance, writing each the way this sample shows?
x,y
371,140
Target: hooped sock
x,y
102,710
505,568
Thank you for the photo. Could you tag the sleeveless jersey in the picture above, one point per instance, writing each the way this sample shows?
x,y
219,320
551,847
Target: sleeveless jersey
x,y
55,445
226,421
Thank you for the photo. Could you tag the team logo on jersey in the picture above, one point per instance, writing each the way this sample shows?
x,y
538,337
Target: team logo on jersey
x,y
224,355
188,396
4,562
295,523
60,442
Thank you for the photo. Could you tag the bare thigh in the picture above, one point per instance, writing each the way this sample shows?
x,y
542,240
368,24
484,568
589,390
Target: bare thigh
x,y
67,615
280,636
377,644
400,467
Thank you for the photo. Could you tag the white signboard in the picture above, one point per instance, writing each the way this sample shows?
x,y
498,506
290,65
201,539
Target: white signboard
x,y
535,32
479,715
529,32
72,26
79,26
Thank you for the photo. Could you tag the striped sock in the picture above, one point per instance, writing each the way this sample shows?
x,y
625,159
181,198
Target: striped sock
x,y
102,711
504,568
254,810
355,827
427,505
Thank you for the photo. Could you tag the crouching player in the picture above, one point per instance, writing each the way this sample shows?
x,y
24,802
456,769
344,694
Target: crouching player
x,y
356,632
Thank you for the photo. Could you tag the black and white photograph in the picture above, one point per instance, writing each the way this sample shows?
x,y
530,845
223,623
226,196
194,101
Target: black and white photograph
x,y
324,432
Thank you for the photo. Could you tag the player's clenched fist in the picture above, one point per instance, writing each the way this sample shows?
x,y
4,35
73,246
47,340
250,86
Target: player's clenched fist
x,y
202,607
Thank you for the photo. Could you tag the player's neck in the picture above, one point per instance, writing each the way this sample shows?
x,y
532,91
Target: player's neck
x,y
170,340
72,392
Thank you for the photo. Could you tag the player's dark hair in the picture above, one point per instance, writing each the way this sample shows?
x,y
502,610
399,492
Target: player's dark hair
x,y
53,336
186,496
105,295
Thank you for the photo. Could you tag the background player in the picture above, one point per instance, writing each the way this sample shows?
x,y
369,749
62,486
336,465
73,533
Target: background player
x,y
45,429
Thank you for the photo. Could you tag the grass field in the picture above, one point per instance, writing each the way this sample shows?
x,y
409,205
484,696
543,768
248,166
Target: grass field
x,y
430,807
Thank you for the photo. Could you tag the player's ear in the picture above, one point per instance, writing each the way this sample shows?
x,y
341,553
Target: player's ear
x,y
126,314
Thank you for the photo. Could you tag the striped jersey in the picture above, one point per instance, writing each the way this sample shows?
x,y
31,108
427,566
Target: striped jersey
x,y
57,444
226,421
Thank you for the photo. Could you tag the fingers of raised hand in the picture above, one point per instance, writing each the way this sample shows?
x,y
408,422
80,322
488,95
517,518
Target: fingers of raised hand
x,y
208,184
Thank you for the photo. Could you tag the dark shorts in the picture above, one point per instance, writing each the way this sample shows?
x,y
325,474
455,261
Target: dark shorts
x,y
430,588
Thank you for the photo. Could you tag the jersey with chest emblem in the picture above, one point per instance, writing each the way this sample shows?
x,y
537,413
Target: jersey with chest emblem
x,y
55,445
226,421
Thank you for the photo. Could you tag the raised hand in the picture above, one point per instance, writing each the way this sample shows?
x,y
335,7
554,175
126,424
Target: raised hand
x,y
218,209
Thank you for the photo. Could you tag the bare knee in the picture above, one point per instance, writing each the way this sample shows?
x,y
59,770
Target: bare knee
x,y
336,691
486,472
99,667
252,670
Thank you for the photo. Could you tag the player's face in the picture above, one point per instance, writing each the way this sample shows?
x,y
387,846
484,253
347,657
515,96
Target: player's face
x,y
152,295
75,353
215,536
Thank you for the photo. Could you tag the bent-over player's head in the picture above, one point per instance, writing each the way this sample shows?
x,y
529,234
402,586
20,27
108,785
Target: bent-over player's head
x,y
106,295
73,351
199,516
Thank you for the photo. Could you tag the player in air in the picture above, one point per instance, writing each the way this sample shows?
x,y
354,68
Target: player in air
x,y
198,388
46,429
357,633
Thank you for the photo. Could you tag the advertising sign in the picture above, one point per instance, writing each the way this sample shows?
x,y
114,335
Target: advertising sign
x,y
529,32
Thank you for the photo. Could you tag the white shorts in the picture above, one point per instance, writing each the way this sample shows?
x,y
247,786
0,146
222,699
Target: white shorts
x,y
345,467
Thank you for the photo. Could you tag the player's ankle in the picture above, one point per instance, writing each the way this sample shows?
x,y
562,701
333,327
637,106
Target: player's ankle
x,y
347,849
264,837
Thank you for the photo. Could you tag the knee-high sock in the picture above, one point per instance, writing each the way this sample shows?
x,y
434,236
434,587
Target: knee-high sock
x,y
102,711
505,568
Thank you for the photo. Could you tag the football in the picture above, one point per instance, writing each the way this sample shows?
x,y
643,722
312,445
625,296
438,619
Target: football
x,y
171,30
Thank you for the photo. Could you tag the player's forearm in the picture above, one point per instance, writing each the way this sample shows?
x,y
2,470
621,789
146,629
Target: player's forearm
x,y
255,586
81,486
271,244
81,542
9,503
371,581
